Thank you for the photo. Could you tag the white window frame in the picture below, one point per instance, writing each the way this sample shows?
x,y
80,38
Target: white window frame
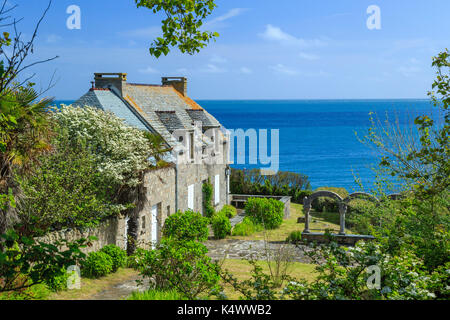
x,y
217,189
191,196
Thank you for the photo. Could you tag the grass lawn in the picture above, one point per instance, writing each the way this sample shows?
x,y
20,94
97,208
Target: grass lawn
x,y
90,287
319,222
241,269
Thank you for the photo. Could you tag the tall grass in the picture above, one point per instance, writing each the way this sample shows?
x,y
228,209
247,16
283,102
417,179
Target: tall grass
x,y
156,295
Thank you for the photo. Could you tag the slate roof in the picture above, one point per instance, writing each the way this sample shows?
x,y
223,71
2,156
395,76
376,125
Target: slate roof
x,y
157,108
108,101
170,120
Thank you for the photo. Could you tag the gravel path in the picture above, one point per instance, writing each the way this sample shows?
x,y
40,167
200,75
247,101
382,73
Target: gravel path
x,y
122,290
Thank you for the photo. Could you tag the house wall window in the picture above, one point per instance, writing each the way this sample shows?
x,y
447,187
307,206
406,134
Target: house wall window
x,y
217,189
191,146
191,190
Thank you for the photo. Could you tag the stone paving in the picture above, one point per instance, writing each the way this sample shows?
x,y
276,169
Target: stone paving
x,y
122,290
244,249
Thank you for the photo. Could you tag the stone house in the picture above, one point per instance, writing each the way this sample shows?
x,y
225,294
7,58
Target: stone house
x,y
199,144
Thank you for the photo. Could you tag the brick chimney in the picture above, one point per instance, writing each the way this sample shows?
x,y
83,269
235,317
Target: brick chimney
x,y
179,83
107,80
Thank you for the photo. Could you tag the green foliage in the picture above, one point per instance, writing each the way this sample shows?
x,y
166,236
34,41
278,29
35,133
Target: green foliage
x,y
24,134
221,226
294,237
137,259
36,292
182,26
98,264
343,275
266,212
186,226
246,228
182,266
325,204
25,262
58,282
65,190
228,211
207,189
155,295
118,256
282,183
260,286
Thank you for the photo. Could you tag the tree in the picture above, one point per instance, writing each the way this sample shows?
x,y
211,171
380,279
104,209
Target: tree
x,y
420,156
182,26
24,127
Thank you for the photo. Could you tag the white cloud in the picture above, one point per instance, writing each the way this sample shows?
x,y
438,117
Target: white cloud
x,y
148,70
245,70
273,33
53,38
308,56
182,71
230,14
282,69
217,59
150,32
409,71
211,68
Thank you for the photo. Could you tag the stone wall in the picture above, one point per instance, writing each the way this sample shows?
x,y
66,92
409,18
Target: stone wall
x,y
193,174
110,231
160,193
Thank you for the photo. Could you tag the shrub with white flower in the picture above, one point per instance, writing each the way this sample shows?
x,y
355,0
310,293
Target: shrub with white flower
x,y
121,151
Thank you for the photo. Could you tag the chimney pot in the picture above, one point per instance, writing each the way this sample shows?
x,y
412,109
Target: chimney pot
x,y
179,83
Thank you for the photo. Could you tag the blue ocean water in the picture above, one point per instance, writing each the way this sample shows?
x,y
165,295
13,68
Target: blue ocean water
x,y
317,137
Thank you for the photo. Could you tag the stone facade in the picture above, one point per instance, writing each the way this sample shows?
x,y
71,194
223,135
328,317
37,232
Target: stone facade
x,y
110,231
160,195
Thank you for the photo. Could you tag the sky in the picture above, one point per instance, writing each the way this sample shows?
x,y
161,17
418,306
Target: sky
x,y
284,49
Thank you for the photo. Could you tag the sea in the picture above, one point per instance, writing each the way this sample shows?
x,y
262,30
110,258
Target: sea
x,y
317,138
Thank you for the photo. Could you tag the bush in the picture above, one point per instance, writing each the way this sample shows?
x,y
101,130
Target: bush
x,y
294,237
182,266
229,211
118,256
267,212
58,282
325,204
221,226
300,195
154,295
97,264
282,183
186,226
246,228
137,260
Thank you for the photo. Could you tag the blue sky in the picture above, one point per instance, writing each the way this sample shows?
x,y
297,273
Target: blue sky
x,y
286,49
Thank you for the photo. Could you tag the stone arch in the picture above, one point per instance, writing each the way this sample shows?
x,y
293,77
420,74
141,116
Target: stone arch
x,y
395,196
328,194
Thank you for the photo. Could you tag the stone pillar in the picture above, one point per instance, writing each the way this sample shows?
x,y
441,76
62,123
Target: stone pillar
x,y
342,212
306,210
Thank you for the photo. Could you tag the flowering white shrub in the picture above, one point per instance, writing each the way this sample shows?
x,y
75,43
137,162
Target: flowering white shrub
x,y
121,151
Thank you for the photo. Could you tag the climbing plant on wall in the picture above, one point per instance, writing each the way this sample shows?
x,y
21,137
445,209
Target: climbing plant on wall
x,y
207,199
